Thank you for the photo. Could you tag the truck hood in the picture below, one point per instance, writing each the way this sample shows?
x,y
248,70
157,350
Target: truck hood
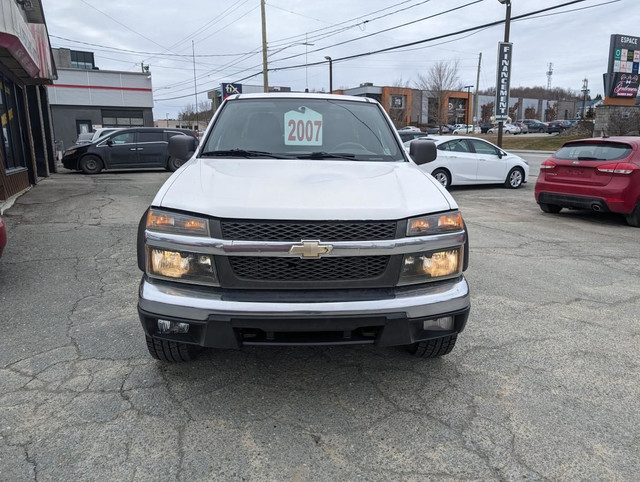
x,y
303,190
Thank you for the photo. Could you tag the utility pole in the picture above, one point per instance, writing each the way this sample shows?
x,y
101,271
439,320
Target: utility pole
x,y
549,74
265,73
585,93
195,86
475,103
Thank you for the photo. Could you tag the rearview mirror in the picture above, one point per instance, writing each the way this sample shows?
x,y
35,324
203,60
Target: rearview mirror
x,y
423,151
109,142
182,147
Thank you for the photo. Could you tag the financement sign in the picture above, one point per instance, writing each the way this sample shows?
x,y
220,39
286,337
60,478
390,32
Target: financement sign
x,y
503,80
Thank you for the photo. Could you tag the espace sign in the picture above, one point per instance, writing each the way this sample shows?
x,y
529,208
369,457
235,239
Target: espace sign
x,y
623,74
503,80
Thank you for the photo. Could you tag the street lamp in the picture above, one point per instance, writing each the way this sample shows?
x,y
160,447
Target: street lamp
x,y
507,24
330,73
468,87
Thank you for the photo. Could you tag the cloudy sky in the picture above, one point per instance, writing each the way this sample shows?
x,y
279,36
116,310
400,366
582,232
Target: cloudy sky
x,y
227,40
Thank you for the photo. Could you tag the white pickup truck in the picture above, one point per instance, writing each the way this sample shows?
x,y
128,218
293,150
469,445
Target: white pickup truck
x,y
301,220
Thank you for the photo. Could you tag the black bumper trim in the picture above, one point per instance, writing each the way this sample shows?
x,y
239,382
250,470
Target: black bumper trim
x,y
389,329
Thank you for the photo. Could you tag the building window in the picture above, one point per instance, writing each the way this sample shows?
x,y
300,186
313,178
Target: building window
x,y
12,139
122,118
397,101
82,60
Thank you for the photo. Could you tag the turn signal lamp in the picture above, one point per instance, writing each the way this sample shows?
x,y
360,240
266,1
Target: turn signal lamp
x,y
175,223
435,224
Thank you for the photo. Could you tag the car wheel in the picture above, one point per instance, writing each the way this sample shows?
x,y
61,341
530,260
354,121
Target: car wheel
x,y
443,177
550,208
433,348
91,164
171,351
633,219
515,178
173,164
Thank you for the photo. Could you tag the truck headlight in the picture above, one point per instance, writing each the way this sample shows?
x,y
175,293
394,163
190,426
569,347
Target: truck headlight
x,y
70,152
435,224
431,266
185,267
175,223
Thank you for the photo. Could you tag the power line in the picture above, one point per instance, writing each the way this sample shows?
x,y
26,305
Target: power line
x,y
143,52
409,44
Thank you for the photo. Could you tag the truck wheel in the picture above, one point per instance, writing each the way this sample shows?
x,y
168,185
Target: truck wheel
x,y
91,164
433,348
170,351
633,219
550,208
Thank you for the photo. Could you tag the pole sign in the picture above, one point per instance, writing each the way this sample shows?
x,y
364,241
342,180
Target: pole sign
x,y
503,80
230,89
623,76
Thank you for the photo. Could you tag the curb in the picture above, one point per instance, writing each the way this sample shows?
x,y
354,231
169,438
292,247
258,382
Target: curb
x,y
7,203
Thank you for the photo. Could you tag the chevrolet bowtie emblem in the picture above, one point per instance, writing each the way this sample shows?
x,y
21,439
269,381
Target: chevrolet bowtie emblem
x,y
310,249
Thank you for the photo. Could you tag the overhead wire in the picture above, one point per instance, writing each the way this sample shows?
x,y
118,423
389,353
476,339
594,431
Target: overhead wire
x,y
397,47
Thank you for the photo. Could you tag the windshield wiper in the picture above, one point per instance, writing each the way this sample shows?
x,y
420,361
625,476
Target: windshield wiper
x,y
327,155
242,153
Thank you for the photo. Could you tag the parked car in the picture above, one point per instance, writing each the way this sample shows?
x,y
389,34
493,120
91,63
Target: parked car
x,y
300,220
558,126
486,126
506,129
408,135
3,236
84,138
600,174
139,147
410,128
90,137
466,129
469,160
524,129
534,125
436,129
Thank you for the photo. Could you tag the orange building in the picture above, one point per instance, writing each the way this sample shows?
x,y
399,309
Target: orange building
x,y
408,106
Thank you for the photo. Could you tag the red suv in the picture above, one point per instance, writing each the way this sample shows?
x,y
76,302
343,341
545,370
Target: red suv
x,y
597,174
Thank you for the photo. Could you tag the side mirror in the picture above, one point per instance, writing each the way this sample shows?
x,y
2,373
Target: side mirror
x,y
423,151
500,154
182,147
109,142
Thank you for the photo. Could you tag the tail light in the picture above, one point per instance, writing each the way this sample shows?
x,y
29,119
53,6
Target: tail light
x,y
548,164
625,168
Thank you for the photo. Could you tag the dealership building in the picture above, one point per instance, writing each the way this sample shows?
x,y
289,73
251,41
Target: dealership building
x,y
85,98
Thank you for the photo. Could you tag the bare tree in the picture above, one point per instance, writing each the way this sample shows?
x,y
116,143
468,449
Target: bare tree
x,y
441,78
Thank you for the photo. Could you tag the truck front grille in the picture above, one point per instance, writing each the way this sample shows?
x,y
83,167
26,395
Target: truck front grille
x,y
362,268
299,230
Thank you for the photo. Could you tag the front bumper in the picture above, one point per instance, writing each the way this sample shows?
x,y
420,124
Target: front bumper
x,y
231,319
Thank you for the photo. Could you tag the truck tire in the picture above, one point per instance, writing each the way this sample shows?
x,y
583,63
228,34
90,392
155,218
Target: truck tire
x,y
170,351
433,348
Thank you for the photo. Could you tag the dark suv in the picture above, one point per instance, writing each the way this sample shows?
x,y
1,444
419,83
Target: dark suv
x,y
135,148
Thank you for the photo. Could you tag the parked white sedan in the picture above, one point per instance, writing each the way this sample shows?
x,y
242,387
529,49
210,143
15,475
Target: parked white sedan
x,y
468,160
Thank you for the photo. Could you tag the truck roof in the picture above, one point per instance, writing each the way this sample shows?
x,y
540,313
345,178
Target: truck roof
x,y
304,95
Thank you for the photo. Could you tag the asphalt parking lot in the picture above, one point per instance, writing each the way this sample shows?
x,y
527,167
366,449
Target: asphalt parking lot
x,y
543,384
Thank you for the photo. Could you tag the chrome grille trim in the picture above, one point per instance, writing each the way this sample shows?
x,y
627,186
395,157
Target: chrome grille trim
x,y
221,247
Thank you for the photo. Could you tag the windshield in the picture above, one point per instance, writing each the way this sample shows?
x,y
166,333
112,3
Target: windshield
x,y
602,151
311,128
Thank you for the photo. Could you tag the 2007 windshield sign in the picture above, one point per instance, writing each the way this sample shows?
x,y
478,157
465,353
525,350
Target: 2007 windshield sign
x,y
503,80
